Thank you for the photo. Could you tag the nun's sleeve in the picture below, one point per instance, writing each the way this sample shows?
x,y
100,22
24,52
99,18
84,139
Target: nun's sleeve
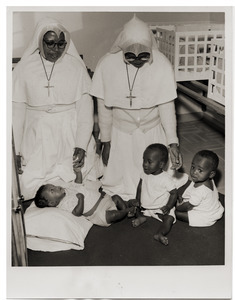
x,y
105,116
18,119
168,120
85,121
18,106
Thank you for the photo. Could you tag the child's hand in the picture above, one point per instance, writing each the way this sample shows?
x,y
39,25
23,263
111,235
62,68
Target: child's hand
x,y
177,203
165,210
76,169
134,202
180,199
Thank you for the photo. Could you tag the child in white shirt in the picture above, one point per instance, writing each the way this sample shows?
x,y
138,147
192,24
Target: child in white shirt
x,y
199,203
156,192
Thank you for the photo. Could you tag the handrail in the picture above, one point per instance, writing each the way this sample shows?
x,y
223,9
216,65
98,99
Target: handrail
x,y
199,85
213,105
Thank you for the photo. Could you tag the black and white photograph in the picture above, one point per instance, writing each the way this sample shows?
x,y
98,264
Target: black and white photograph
x,y
119,152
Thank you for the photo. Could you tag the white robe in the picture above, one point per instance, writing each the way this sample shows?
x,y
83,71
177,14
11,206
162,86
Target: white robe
x,y
48,128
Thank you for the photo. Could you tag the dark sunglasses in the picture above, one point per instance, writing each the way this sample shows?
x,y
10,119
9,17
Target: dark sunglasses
x,y
144,56
52,44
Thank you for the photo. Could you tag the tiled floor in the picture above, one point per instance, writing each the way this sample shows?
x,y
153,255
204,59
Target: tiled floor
x,y
197,135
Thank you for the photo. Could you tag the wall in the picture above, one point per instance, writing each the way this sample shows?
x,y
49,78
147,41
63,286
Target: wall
x,y
93,32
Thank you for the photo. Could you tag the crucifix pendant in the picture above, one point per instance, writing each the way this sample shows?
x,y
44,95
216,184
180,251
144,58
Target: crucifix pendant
x,y
48,86
130,97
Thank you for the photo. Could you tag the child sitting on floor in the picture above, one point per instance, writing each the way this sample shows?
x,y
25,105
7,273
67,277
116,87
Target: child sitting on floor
x,y
199,203
99,208
156,192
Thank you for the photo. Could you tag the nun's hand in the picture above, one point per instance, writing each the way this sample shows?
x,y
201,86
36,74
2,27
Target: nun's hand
x,y
105,152
78,157
18,163
176,157
179,200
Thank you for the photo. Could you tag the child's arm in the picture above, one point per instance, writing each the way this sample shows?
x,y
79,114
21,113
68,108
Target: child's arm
x,y
78,173
138,192
184,206
171,202
182,189
138,212
78,209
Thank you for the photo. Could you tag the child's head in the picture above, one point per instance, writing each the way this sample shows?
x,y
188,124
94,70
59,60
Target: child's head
x,y
155,158
204,165
49,195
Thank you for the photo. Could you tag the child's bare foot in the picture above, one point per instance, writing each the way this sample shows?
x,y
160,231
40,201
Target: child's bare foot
x,y
161,238
132,202
138,221
132,212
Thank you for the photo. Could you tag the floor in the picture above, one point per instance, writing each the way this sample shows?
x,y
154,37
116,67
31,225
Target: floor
x,y
198,135
124,245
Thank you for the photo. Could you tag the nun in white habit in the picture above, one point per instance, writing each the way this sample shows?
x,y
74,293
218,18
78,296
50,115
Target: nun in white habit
x,y
135,87
52,110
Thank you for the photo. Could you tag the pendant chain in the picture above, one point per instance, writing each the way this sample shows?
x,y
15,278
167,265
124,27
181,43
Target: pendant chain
x,y
48,86
129,84
48,78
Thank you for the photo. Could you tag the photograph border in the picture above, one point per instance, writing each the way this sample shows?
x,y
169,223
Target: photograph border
x,y
214,282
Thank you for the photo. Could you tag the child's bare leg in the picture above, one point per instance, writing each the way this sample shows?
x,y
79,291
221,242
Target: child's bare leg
x,y
119,202
140,218
113,216
182,215
167,222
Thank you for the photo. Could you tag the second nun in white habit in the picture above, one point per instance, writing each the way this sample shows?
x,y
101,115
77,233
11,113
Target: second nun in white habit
x,y
135,87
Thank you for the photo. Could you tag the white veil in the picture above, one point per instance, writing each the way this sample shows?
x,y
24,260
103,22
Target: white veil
x,y
49,24
135,32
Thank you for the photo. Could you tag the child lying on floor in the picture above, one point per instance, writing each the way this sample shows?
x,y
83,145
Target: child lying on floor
x,y
199,203
99,208
156,192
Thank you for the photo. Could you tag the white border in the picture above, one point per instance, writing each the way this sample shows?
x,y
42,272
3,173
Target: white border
x,y
126,282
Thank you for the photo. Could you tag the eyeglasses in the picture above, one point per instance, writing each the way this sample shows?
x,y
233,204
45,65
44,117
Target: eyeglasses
x,y
52,44
144,56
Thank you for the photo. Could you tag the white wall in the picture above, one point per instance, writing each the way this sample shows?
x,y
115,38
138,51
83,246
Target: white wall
x,y
93,32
